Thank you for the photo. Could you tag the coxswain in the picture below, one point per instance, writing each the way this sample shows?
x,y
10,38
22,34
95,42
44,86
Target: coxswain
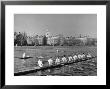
x,y
89,55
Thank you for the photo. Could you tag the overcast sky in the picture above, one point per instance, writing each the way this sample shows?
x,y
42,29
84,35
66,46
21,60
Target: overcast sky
x,y
66,24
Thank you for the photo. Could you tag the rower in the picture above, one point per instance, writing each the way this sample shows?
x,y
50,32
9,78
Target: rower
x,y
79,56
75,58
64,60
83,56
40,64
50,61
57,61
70,59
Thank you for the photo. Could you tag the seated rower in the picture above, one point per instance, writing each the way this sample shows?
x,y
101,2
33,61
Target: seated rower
x,y
79,56
83,56
40,64
75,58
57,61
50,61
64,60
88,55
70,59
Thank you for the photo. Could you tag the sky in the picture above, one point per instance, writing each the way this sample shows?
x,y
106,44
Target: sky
x,y
66,24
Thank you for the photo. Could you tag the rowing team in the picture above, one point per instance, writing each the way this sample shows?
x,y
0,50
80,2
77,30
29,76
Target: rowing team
x,y
63,60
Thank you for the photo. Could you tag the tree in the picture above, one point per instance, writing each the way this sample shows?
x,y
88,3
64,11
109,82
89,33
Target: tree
x,y
91,42
76,42
24,39
15,40
21,39
35,39
61,40
44,40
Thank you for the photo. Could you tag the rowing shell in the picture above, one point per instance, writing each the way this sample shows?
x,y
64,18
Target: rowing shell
x,y
35,69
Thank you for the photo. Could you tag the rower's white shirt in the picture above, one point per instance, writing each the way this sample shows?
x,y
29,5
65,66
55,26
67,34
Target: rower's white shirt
x,y
70,58
75,57
57,60
89,55
83,56
40,63
64,59
79,56
50,61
